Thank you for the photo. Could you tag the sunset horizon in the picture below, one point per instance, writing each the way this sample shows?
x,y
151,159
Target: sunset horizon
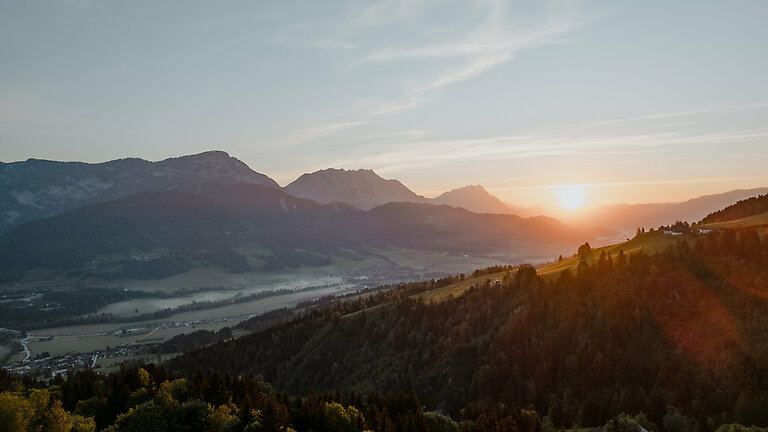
x,y
384,216
522,98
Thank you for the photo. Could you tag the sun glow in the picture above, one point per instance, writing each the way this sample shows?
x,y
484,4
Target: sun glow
x,y
571,197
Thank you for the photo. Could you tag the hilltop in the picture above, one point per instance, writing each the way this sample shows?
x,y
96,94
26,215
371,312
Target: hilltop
x,y
362,188
748,212
477,199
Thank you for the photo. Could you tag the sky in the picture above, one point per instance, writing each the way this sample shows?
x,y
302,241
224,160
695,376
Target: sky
x,y
651,101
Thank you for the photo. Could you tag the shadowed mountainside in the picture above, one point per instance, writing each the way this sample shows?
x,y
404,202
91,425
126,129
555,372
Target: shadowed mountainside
x,y
246,226
36,188
363,189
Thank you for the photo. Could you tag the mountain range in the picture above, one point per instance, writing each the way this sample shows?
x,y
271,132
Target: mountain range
x,y
36,188
364,189
245,227
136,218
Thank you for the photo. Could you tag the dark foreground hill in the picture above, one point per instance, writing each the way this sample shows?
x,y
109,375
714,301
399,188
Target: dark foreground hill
x,y
36,188
249,227
679,335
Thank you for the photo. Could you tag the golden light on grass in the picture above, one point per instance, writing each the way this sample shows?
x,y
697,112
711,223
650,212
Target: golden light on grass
x,y
571,197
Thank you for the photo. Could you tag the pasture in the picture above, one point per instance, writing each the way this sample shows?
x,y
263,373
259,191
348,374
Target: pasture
x,y
650,242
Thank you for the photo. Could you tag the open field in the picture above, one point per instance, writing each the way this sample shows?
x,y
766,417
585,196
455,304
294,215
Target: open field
x,y
455,289
758,220
92,337
82,344
102,337
650,242
153,304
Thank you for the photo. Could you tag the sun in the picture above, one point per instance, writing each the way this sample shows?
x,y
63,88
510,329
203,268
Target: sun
x,y
571,197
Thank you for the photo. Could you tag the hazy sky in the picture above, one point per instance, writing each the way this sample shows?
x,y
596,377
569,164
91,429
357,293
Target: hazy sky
x,y
639,100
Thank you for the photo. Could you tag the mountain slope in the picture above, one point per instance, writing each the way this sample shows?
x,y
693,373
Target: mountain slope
x,y
677,335
442,228
473,198
35,188
159,233
248,227
626,217
363,189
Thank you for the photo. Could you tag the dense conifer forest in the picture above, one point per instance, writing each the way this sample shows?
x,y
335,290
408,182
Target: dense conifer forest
x,y
678,335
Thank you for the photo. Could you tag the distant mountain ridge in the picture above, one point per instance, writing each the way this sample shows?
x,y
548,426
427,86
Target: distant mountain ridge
x,y
475,198
362,188
36,188
242,227
628,217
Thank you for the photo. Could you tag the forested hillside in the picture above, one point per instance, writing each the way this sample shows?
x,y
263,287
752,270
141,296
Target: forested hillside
x,y
150,399
678,335
741,209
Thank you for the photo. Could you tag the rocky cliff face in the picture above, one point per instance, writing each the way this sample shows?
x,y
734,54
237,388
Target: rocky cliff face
x,y
36,188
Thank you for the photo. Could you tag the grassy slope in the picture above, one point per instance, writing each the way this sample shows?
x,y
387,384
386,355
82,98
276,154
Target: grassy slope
x,y
456,289
649,242
758,220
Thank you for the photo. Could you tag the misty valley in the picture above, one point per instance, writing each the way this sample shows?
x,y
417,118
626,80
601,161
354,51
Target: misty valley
x,y
338,315
383,216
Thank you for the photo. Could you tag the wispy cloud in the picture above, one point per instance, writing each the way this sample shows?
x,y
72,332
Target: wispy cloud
x,y
475,67
492,42
424,153
383,12
334,44
497,34
674,114
307,135
389,107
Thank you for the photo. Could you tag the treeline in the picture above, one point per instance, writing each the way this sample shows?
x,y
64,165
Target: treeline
x,y
365,298
679,335
61,306
149,399
741,209
189,341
